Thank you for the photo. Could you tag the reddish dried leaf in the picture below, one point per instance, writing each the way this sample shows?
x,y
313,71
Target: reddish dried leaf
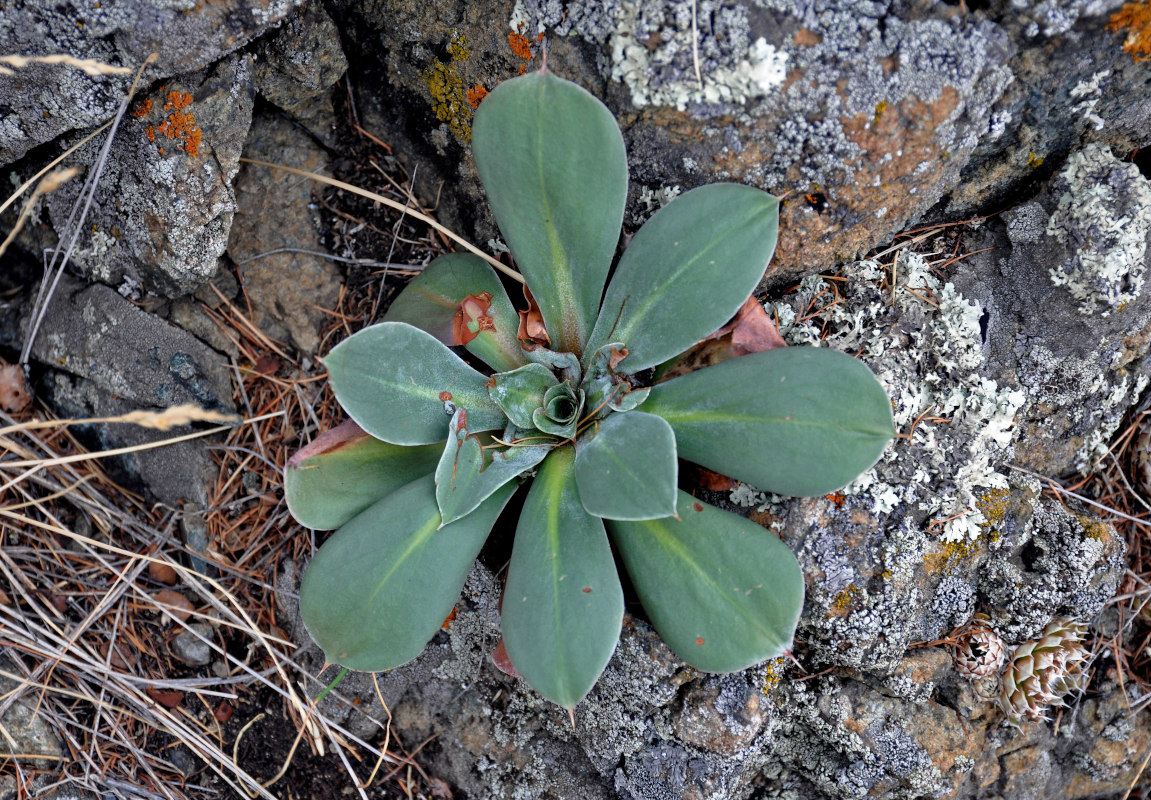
x,y
168,699
752,330
15,394
179,606
712,481
121,658
501,660
473,310
615,357
532,333
224,711
439,789
343,434
268,365
162,573
4,599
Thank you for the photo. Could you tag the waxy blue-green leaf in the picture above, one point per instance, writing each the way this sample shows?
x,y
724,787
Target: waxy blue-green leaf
x,y
394,380
560,413
723,592
627,468
463,480
345,470
800,421
687,271
520,392
432,300
552,162
381,587
563,605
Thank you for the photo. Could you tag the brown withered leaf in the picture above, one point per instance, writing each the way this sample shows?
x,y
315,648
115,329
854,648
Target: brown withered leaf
x,y
162,573
168,699
179,606
332,439
531,332
268,365
122,658
15,394
712,481
473,308
749,331
224,711
502,661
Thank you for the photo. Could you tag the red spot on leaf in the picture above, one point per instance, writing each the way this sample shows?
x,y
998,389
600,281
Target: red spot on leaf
x,y
699,640
586,590
696,507
445,396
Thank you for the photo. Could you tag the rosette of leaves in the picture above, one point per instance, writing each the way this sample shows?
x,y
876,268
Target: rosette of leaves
x,y
1041,672
436,447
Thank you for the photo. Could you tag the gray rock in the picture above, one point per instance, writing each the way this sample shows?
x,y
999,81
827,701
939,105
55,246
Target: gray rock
x,y
161,214
301,60
25,727
110,357
41,102
1067,313
276,211
189,648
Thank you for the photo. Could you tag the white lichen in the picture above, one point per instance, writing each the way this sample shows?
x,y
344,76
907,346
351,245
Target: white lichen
x,y
927,352
1103,219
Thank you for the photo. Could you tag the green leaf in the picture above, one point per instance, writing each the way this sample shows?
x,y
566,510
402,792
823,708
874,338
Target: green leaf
x,y
563,605
345,470
560,413
723,592
552,161
687,271
463,480
432,300
381,587
520,392
799,421
394,380
627,469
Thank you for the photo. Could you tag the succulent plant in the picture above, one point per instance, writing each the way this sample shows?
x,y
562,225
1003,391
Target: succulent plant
x,y
979,656
435,447
1041,672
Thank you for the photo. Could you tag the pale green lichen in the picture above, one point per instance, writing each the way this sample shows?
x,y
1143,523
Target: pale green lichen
x,y
929,364
1107,253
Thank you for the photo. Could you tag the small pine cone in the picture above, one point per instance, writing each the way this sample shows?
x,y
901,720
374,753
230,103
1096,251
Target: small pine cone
x,y
1043,671
980,651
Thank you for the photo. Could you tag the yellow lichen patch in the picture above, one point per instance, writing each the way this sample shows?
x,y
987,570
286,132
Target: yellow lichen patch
x,y
1136,17
1034,161
880,107
845,602
993,505
1094,529
773,673
446,87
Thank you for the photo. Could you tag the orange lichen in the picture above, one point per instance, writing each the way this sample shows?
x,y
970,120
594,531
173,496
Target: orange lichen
x,y
151,131
178,101
143,108
520,45
1136,17
476,94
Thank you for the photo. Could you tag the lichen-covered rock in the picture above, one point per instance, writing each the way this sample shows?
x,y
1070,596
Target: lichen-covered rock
x,y
300,60
1067,314
40,102
160,217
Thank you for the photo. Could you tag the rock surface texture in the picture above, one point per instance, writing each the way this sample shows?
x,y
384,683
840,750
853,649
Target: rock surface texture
x,y
867,118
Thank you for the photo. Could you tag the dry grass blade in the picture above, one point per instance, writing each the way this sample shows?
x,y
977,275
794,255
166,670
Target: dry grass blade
x,y
159,420
87,65
387,201
51,183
